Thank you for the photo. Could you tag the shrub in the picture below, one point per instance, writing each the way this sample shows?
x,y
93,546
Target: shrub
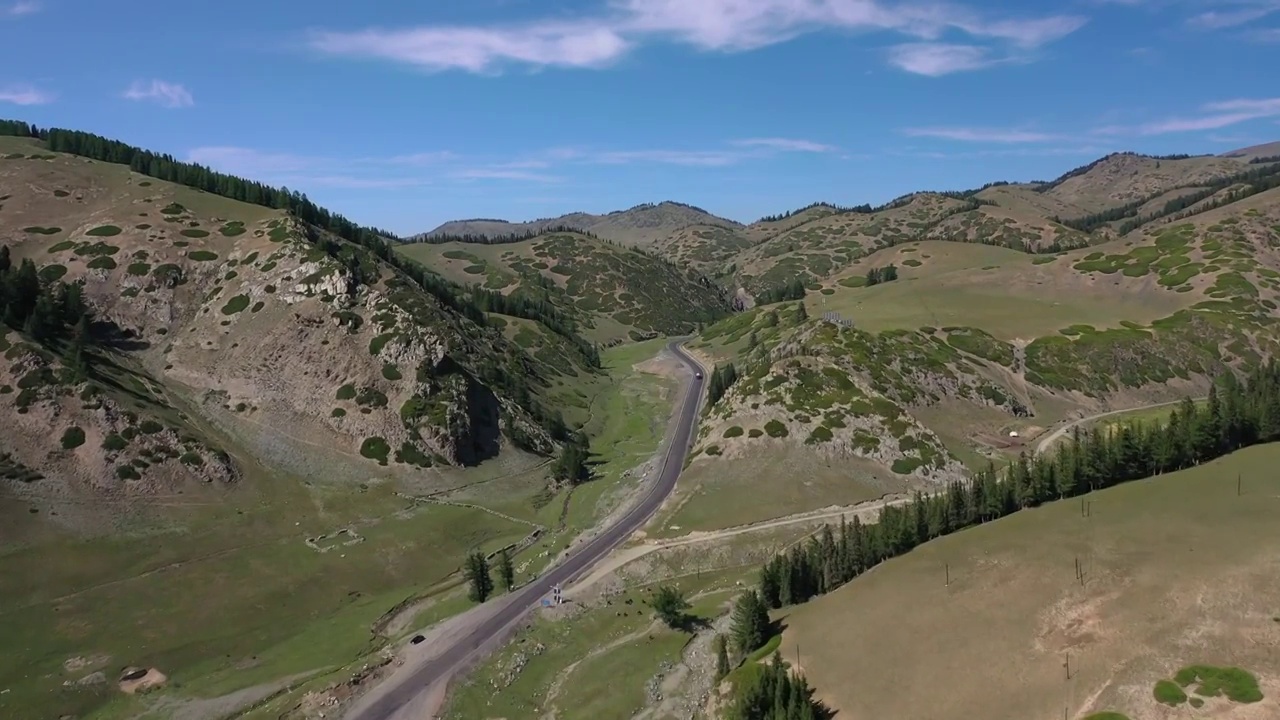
x,y
172,208
192,459
150,427
391,372
202,255
776,429
713,450
37,230
127,472
72,438
375,448
114,443
53,273
733,432
346,392
139,269
194,233
257,306
232,228
338,412
104,231
235,305
102,262
379,342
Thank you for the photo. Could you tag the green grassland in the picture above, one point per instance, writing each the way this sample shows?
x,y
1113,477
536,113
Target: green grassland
x,y
615,293
1183,542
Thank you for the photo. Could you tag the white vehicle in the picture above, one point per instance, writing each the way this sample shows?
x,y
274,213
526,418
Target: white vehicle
x,y
698,375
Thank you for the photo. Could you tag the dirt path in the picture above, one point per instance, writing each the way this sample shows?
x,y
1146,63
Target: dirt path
x,y
1056,435
626,555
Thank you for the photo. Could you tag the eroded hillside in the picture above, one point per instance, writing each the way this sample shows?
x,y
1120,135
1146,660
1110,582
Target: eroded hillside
x,y
220,325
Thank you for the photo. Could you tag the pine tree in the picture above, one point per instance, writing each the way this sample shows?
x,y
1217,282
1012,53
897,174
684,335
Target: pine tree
x,y
750,623
5,261
506,572
477,573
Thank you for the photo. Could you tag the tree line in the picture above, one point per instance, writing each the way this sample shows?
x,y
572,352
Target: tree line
x,y
1258,179
722,378
840,209
47,312
1237,414
877,275
793,290
463,300
504,239
1267,159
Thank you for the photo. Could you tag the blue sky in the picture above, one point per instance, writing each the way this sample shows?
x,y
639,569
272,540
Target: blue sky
x,y
405,114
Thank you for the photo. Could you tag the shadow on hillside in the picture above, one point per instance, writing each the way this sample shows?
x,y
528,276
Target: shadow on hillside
x,y
112,336
483,412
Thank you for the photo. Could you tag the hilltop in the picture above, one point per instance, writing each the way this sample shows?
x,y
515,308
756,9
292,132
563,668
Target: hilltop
x,y
641,226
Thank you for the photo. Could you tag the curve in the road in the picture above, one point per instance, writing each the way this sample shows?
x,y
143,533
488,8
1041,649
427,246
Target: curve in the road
x,y
1056,435
445,664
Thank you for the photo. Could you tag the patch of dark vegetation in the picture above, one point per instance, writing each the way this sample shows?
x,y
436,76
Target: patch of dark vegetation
x,y
38,230
72,438
235,305
375,448
194,233
104,231
102,262
202,255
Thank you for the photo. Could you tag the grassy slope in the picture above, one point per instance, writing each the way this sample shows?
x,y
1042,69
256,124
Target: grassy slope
x,y
1141,319
214,583
614,292
1183,543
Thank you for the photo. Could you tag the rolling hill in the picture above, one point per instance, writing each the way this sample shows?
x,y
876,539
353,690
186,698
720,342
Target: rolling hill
x,y
641,226
612,292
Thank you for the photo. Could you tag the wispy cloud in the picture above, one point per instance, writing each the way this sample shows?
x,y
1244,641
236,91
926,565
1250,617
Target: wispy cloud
x,y
24,7
938,59
165,94
786,145
709,25
1053,151
25,95
1213,116
1234,14
1263,35
703,158
982,135
504,174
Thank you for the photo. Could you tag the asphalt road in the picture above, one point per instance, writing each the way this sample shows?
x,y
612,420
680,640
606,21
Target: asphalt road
x,y
449,660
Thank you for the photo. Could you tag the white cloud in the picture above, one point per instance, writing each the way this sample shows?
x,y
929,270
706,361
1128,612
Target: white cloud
x,y
982,135
1263,35
1234,14
481,49
24,7
25,95
724,25
785,145
166,94
938,59
1213,116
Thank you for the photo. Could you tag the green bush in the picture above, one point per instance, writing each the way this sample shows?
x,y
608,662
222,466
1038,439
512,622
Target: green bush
x,y
194,233
72,438
391,372
379,342
192,459
102,262
37,230
127,472
232,228
150,427
235,305
172,209
104,231
139,269
1168,692
776,429
346,392
53,273
202,255
375,448
338,412
733,432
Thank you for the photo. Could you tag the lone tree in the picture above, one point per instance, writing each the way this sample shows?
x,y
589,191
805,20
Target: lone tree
x,y
669,603
506,572
571,466
750,622
477,571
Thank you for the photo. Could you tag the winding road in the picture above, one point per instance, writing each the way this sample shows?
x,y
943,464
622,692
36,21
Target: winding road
x,y
415,689
1056,435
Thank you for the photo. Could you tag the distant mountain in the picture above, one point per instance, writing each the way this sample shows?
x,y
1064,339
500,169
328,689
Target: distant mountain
x,y
642,225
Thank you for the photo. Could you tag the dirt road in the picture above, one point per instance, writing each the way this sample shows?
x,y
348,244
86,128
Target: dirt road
x,y
1057,435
